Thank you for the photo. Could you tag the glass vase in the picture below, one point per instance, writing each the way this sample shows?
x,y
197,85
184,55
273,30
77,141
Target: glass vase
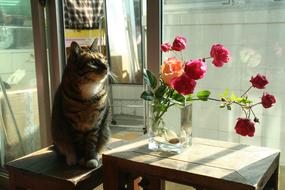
x,y
172,132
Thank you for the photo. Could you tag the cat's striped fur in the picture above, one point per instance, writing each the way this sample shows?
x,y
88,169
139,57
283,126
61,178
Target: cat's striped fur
x,y
80,114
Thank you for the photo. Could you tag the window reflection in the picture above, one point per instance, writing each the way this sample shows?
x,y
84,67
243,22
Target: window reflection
x,y
125,40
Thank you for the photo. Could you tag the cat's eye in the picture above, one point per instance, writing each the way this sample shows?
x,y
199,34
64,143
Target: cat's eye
x,y
95,64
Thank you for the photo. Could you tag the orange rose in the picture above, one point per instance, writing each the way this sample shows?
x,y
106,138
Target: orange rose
x,y
170,69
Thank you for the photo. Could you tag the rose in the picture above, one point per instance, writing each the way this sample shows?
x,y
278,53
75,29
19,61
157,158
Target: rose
x,y
267,100
196,69
171,68
183,85
179,43
259,81
245,127
220,55
165,47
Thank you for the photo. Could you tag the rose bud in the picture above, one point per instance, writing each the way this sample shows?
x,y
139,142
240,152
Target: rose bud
x,y
267,100
179,43
220,55
259,81
256,120
195,69
245,127
183,85
165,47
171,68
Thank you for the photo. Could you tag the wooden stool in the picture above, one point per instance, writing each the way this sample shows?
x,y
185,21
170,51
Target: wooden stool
x,y
44,170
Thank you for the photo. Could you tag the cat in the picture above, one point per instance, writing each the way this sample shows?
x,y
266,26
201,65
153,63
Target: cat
x,y
80,114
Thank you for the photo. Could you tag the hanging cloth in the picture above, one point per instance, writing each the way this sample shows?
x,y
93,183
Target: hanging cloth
x,y
83,14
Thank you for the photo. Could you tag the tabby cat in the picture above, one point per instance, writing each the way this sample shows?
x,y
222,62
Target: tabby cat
x,y
80,114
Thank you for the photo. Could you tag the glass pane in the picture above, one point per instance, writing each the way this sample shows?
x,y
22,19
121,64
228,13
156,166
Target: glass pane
x,y
124,37
124,26
254,33
125,42
19,116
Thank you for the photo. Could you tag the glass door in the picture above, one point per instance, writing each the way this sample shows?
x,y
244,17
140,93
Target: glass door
x,y
126,41
24,80
254,33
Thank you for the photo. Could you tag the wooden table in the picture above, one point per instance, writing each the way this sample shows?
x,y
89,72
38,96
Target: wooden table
x,y
44,170
207,164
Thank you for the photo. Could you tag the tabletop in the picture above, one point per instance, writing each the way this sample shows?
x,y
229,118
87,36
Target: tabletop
x,y
207,163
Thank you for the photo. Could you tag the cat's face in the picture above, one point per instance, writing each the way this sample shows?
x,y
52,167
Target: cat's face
x,y
86,64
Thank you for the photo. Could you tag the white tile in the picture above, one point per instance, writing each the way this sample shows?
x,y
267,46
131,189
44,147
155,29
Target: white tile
x,y
205,133
271,126
211,33
271,142
25,61
6,63
251,140
229,136
171,19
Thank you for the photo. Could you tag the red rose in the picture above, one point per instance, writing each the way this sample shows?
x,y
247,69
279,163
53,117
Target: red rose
x,y
220,55
245,127
165,47
195,69
259,81
183,85
179,43
267,100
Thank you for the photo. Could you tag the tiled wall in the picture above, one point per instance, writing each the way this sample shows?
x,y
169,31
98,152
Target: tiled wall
x,y
21,61
256,40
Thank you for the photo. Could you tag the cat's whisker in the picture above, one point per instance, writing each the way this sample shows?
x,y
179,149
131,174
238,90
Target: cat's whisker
x,y
112,75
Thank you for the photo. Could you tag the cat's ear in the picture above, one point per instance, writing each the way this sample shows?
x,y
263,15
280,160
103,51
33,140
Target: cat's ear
x,y
75,49
94,46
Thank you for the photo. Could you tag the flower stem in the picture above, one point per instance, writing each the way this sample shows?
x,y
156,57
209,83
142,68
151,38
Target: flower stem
x,y
246,91
252,112
207,58
181,55
246,116
255,104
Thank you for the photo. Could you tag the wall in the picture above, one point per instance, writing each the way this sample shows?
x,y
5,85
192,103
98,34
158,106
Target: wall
x,y
255,37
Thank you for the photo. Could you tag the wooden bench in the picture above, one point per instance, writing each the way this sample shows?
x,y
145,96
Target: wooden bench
x,y
207,164
44,170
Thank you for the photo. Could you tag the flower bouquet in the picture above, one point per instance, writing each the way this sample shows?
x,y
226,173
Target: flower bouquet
x,y
176,87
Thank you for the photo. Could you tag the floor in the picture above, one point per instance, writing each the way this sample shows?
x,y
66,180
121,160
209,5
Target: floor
x,y
129,134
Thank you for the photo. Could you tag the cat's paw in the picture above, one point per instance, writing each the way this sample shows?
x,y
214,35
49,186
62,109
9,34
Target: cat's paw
x,y
71,159
93,163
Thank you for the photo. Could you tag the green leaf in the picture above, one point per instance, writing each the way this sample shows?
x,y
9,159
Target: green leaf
x,y
229,107
147,95
243,100
203,95
189,97
159,92
226,93
178,97
222,105
233,96
149,78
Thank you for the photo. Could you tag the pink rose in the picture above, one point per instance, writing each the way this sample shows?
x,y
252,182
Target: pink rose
x,y
245,127
183,85
259,81
171,68
267,100
165,47
179,43
195,69
220,55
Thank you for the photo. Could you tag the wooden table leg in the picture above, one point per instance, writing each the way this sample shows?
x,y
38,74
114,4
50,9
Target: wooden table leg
x,y
151,183
110,177
272,183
